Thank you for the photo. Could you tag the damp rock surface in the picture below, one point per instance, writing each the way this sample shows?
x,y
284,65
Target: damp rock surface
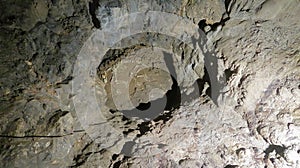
x,y
183,83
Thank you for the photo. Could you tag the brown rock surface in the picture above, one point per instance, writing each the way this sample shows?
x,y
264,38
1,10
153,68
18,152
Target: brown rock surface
x,y
188,83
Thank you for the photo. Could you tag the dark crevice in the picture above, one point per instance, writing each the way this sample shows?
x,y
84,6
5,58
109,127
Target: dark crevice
x,y
246,10
227,7
114,156
58,114
144,106
173,97
86,146
204,165
143,128
54,2
239,150
112,111
205,79
93,6
229,73
278,149
128,131
117,164
125,119
243,78
161,146
231,166
81,159
117,160
164,117
65,81
181,161
202,24
251,122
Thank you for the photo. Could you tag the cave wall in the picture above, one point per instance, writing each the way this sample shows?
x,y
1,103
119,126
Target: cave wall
x,y
247,70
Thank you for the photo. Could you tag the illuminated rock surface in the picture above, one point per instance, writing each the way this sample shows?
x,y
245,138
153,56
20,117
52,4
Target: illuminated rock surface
x,y
180,83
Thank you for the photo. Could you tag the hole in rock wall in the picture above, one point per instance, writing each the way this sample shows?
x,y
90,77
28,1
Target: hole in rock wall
x,y
151,79
140,90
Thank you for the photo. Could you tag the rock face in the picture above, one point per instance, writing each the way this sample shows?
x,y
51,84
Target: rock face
x,y
140,83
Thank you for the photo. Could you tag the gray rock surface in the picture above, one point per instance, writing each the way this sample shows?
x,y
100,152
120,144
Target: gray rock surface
x,y
174,83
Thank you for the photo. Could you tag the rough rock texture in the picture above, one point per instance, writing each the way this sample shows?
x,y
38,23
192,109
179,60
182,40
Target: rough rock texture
x,y
188,83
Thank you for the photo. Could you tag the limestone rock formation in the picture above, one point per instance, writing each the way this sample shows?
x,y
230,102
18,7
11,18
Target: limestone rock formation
x,y
159,83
